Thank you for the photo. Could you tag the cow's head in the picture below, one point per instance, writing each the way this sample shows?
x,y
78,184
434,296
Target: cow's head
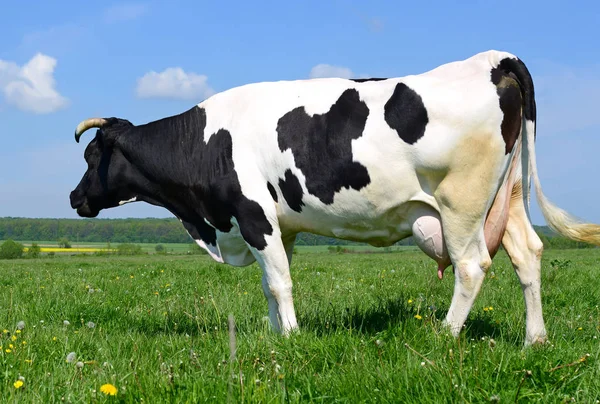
x,y
107,181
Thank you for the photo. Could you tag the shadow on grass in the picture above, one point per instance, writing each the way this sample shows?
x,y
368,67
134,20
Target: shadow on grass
x,y
387,314
396,313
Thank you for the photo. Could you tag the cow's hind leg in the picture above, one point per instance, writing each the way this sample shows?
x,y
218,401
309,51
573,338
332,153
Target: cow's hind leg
x,y
466,245
464,196
524,248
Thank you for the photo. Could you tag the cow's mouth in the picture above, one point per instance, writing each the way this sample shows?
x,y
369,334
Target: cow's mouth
x,y
85,211
82,206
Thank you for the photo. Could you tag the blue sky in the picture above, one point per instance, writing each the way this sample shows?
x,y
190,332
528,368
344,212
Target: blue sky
x,y
61,62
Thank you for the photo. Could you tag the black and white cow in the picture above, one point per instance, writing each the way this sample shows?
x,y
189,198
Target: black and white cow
x,y
373,160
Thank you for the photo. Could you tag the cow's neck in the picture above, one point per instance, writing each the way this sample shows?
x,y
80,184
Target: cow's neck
x,y
168,154
165,150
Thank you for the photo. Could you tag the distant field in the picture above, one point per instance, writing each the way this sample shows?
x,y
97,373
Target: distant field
x,y
90,247
370,332
354,248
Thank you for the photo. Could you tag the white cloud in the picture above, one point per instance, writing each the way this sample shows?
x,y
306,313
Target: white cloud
x,y
124,12
174,83
31,87
324,70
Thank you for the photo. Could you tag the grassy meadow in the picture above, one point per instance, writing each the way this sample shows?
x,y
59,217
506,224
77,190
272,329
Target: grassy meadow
x,y
155,327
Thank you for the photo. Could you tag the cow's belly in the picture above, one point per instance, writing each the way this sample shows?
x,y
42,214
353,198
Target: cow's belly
x,y
360,219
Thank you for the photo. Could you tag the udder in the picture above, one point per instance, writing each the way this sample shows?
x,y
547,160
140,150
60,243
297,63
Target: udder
x,y
427,233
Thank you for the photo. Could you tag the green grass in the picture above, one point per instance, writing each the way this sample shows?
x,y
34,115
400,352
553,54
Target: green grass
x,y
161,332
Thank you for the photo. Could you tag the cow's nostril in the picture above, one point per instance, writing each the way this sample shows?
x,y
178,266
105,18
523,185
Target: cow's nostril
x,y
76,199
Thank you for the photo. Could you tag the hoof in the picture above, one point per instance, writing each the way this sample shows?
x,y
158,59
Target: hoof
x,y
536,341
452,328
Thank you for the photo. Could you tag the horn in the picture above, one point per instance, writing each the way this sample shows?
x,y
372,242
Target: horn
x,y
87,124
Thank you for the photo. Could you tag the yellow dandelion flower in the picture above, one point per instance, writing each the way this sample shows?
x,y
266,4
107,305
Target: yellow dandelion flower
x,y
109,389
53,338
156,293
131,276
28,361
485,309
8,350
580,328
418,317
18,384
409,301
5,331
13,338
11,346
490,308
24,342
17,331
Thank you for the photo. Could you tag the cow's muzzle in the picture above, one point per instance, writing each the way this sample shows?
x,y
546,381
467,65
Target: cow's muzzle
x,y
80,203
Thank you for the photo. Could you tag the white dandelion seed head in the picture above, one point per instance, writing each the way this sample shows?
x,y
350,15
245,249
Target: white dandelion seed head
x,y
20,325
91,324
71,357
79,365
422,363
21,378
66,323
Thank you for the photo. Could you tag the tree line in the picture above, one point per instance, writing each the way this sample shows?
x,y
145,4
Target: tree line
x,y
168,230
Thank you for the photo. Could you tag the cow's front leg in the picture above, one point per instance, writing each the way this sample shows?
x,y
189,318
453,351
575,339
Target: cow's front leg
x,y
277,282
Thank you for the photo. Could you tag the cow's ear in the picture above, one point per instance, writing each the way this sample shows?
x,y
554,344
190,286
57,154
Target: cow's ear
x,y
111,131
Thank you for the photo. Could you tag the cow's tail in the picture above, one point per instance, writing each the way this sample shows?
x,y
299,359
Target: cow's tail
x,y
558,219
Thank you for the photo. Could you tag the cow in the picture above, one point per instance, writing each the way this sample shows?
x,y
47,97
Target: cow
x,y
445,156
